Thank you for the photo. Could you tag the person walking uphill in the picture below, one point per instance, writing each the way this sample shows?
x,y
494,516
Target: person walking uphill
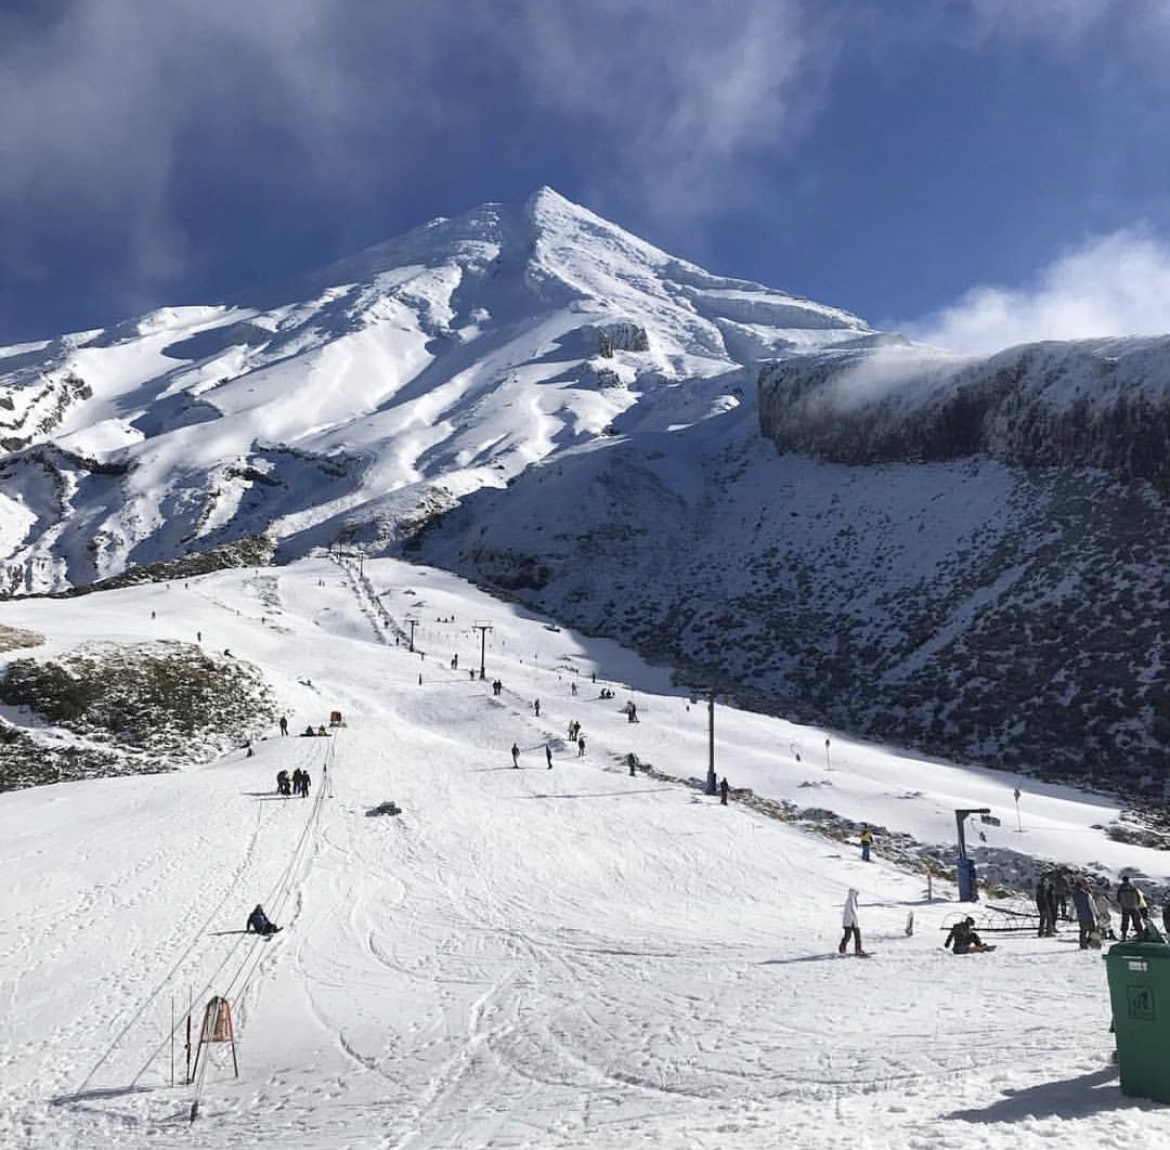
x,y
866,843
850,923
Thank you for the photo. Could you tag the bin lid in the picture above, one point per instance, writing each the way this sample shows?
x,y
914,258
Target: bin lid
x,y
1148,950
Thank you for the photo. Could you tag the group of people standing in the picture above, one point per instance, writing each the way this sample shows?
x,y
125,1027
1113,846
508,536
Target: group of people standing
x,y
298,785
1055,891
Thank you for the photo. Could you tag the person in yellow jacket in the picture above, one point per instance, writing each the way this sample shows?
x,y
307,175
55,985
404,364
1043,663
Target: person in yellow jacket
x,y
866,843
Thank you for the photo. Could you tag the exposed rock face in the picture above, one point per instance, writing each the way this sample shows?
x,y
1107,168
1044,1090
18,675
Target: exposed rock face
x,y
1097,403
620,335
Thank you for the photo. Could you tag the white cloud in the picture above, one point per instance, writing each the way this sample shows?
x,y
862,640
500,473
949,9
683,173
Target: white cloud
x,y
106,102
1117,284
1062,18
683,91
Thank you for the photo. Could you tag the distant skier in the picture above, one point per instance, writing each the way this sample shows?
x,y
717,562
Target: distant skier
x,y
580,745
536,707
866,843
283,725
850,923
723,789
296,781
548,755
515,756
258,923
282,787
305,780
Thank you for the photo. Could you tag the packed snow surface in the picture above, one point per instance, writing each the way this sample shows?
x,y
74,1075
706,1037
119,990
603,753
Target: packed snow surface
x,y
533,957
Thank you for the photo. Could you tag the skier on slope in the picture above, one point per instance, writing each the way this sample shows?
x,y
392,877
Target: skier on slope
x,y
258,922
850,923
515,756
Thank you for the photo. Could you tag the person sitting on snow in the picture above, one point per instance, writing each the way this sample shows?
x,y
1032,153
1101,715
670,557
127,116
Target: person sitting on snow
x,y
965,940
258,922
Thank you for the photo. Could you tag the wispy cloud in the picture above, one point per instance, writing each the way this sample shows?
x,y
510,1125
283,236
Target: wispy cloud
x,y
1111,285
114,108
681,92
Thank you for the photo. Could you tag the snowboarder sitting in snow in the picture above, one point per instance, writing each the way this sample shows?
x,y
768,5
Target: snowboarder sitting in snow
x,y
258,922
964,938
282,787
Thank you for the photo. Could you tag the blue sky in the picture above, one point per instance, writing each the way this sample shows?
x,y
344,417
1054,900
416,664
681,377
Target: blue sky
x,y
976,172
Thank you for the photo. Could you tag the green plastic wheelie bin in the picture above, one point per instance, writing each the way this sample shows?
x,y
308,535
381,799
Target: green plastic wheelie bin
x,y
1139,990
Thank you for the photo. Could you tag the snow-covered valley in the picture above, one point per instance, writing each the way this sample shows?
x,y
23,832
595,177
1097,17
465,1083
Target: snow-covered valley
x,y
570,957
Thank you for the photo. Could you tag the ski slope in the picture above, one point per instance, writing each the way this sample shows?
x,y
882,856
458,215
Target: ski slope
x,y
523,958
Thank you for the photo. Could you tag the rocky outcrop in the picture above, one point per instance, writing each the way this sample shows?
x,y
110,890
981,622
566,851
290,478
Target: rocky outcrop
x,y
619,335
1095,403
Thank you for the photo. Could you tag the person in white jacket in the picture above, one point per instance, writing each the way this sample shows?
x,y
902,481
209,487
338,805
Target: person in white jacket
x,y
849,922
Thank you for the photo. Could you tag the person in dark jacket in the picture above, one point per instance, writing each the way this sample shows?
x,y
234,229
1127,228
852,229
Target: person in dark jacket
x,y
258,922
965,939
1130,904
1061,889
515,756
723,789
282,782
296,781
1046,907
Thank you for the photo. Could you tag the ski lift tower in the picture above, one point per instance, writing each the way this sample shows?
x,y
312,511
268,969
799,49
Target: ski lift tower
x,y
968,887
711,786
483,629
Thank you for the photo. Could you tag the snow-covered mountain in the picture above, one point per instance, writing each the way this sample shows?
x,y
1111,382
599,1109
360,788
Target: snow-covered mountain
x,y
962,555
393,384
